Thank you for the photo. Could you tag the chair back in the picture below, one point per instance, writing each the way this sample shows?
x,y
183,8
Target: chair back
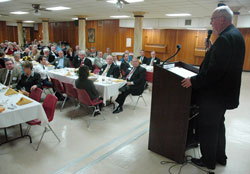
x,y
70,90
83,97
49,106
57,86
36,94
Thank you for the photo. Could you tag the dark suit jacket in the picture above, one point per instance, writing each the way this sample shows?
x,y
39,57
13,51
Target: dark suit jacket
x,y
27,83
66,62
145,59
157,61
51,58
113,70
219,78
139,80
87,62
89,86
124,67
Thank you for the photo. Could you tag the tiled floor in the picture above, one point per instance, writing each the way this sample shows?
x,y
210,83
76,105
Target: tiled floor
x,y
117,144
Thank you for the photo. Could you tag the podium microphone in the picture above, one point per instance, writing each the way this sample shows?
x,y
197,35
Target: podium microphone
x,y
209,33
178,49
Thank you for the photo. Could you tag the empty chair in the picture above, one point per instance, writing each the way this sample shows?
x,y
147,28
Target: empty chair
x,y
84,99
36,94
71,93
140,96
49,106
58,87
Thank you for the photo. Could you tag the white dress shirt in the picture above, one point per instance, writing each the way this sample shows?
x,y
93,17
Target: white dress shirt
x,y
42,70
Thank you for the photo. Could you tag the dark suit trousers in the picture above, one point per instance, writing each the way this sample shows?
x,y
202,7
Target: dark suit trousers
x,y
46,82
211,133
122,97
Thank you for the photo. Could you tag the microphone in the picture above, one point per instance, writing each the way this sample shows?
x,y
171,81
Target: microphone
x,y
178,49
209,33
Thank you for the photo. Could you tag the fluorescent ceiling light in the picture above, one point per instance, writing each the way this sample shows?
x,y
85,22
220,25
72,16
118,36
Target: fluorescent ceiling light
x,y
58,8
75,19
129,1
19,12
178,14
4,0
122,16
28,21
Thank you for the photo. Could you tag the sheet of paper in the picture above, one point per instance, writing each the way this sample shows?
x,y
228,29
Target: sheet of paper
x,y
182,72
128,42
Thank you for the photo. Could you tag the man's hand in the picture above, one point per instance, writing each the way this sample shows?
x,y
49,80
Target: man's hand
x,y
129,83
33,87
25,93
186,83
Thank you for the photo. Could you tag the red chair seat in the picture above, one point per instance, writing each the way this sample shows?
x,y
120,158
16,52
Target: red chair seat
x,y
34,122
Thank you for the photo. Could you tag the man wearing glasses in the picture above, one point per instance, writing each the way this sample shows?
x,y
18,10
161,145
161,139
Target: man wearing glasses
x,y
218,86
10,75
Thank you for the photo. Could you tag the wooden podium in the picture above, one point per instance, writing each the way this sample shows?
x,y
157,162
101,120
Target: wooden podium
x,y
170,110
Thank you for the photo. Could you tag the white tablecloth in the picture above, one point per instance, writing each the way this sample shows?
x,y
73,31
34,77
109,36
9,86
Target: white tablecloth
x,y
22,113
107,88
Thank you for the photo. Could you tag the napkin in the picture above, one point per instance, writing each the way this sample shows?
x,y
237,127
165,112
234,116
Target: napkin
x,y
2,109
23,101
68,74
10,91
118,80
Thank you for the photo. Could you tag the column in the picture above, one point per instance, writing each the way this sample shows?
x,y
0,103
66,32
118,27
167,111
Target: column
x,y
81,32
45,31
20,33
235,18
138,32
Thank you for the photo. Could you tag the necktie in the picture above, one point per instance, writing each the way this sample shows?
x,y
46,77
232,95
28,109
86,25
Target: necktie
x,y
131,72
152,62
106,71
82,62
43,67
7,82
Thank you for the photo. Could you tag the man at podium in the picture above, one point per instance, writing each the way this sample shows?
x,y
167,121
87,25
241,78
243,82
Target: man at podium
x,y
218,87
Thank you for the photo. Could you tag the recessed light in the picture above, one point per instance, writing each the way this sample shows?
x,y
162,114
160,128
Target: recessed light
x,y
178,14
58,8
4,0
75,19
28,21
122,16
19,12
129,1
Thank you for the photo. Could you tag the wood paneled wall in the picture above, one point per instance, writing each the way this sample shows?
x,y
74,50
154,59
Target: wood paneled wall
x,y
3,31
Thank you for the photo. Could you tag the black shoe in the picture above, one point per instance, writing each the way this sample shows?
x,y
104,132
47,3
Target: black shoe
x,y
97,113
222,162
118,110
200,163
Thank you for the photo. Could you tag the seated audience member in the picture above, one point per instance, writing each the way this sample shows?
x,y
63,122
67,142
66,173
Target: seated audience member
x,y
142,58
70,54
2,47
130,57
110,69
153,60
125,65
77,49
107,53
93,52
2,59
26,53
82,60
30,80
64,49
136,79
84,83
43,71
87,52
61,61
17,61
46,52
35,54
10,76
54,51
99,62
115,60
10,49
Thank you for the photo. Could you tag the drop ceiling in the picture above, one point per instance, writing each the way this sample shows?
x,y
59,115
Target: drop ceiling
x,y
102,10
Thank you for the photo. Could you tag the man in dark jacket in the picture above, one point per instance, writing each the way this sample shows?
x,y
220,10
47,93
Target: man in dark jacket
x,y
110,69
81,59
136,79
143,59
125,65
218,86
153,60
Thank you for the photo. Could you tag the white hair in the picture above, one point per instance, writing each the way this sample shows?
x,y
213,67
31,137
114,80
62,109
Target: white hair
x,y
17,53
224,11
46,49
82,52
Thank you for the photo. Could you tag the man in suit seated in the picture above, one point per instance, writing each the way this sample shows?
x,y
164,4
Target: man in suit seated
x,y
93,52
61,61
125,64
110,69
99,61
81,59
50,58
43,71
129,57
142,58
153,60
136,79
10,75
